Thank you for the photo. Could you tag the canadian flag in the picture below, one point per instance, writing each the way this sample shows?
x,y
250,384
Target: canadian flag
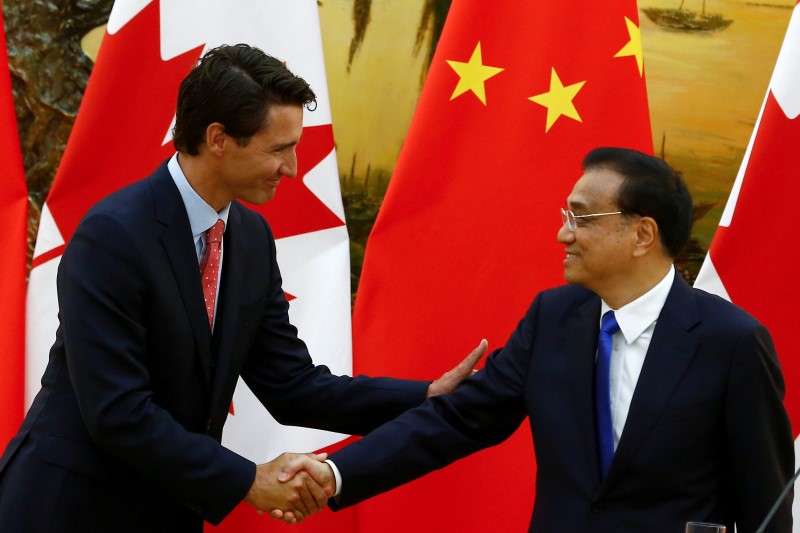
x,y
123,131
751,258
14,224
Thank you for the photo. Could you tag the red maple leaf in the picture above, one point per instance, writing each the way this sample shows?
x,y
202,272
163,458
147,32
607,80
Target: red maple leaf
x,y
126,111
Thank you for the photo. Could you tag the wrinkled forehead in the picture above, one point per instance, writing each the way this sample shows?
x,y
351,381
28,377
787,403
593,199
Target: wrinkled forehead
x,y
596,189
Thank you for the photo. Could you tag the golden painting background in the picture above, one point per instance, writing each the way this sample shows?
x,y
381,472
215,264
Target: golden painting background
x,y
705,90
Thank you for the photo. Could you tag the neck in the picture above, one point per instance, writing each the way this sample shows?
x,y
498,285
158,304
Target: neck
x,y
635,284
201,176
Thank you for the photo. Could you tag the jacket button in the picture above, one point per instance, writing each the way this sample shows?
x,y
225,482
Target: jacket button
x,y
598,507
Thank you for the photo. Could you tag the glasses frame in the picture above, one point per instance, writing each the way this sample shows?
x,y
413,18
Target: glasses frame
x,y
569,218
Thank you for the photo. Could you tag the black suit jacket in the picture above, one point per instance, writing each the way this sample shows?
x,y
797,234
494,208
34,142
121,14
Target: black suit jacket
x,y
707,437
124,435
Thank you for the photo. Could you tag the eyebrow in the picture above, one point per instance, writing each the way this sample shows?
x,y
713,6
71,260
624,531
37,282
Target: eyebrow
x,y
285,145
576,204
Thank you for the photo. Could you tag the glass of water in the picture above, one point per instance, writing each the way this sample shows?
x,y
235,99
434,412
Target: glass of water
x,y
703,527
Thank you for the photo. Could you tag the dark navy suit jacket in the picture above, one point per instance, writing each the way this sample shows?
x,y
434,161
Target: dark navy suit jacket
x,y
125,433
707,437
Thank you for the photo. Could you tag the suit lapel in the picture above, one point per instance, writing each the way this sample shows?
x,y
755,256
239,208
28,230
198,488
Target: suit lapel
x,y
671,350
580,344
180,251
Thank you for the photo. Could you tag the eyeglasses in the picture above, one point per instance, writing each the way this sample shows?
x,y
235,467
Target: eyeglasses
x,y
570,219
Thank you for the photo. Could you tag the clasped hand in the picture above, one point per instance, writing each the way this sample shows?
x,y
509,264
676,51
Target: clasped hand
x,y
292,499
295,486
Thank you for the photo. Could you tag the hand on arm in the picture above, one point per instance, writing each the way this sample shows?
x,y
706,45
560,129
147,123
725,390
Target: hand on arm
x,y
290,500
450,380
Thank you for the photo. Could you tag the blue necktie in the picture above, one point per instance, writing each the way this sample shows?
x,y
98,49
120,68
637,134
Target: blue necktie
x,y
602,394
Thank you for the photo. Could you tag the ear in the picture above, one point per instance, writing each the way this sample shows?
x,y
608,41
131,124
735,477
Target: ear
x,y
216,139
646,236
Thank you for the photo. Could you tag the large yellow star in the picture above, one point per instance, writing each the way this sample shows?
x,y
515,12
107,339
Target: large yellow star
x,y
558,100
473,75
634,46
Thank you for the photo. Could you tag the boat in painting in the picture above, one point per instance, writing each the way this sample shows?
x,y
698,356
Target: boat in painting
x,y
681,19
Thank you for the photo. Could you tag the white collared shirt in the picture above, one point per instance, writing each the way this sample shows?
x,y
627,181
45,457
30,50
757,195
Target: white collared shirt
x,y
201,215
637,321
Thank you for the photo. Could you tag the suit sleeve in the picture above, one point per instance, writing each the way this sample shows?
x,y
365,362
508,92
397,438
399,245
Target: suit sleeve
x,y
282,375
485,410
758,434
103,299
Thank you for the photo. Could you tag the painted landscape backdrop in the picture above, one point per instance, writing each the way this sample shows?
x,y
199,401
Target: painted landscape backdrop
x,y
707,65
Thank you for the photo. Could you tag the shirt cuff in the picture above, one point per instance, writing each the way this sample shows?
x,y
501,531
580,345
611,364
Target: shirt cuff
x,y
337,477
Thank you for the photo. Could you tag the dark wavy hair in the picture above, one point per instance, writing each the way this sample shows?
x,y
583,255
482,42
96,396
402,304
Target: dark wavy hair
x,y
234,85
650,188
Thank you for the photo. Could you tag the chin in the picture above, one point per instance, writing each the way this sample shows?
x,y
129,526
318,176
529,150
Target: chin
x,y
571,278
259,199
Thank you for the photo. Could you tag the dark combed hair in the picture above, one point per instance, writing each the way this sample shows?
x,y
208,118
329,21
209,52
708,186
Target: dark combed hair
x,y
234,85
650,188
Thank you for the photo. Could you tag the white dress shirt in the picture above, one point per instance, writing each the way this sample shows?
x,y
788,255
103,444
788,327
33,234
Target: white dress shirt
x,y
637,321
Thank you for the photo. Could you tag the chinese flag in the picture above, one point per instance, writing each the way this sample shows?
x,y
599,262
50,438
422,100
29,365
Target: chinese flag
x,y
123,131
752,257
517,94
14,224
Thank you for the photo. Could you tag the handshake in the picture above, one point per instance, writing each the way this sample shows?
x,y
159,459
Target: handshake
x,y
292,486
295,486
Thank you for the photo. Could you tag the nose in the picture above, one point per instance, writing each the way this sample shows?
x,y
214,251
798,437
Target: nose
x,y
565,235
289,164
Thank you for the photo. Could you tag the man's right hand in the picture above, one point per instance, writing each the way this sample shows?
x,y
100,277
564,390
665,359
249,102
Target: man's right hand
x,y
291,501
312,466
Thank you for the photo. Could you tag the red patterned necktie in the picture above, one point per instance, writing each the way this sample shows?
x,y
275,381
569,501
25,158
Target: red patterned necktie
x,y
209,267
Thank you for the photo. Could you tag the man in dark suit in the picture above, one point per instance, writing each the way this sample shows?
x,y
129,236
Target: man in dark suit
x,y
125,432
684,420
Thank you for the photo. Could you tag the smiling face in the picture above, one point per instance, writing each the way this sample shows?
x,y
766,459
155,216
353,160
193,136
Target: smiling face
x,y
599,253
253,172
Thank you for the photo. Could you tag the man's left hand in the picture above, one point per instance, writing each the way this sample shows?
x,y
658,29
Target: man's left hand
x,y
450,380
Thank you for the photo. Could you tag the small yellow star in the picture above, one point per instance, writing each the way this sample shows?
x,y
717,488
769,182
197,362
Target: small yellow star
x,y
558,100
634,46
473,75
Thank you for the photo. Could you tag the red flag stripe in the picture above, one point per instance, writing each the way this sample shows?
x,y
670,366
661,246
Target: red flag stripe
x,y
751,251
467,231
14,221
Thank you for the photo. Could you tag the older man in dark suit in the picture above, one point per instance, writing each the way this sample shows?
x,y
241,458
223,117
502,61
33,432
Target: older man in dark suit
x,y
651,403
